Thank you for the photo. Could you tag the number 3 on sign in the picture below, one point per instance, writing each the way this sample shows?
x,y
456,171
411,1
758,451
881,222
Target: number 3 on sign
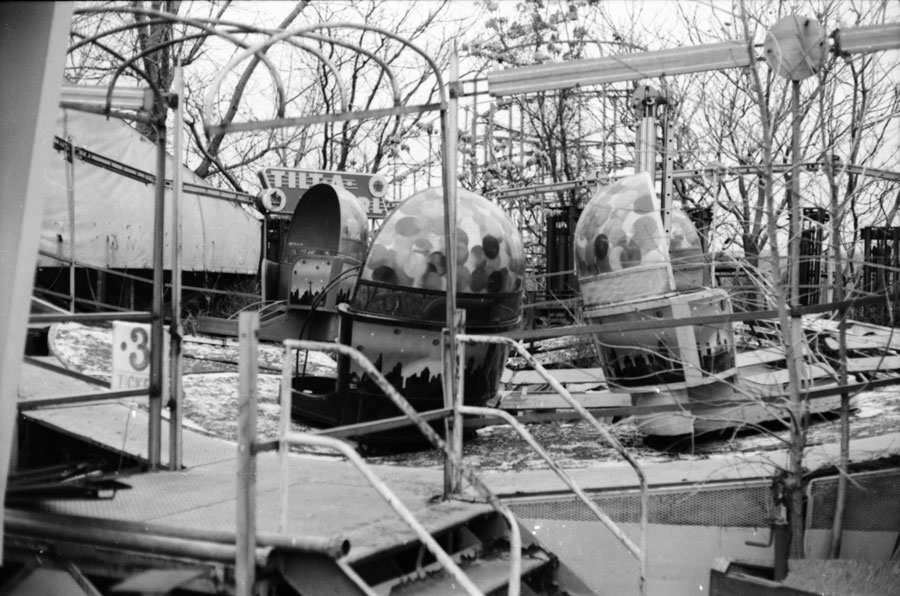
x,y
139,354
131,356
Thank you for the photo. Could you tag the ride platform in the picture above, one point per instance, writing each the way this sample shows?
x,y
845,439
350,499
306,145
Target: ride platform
x,y
337,533
328,497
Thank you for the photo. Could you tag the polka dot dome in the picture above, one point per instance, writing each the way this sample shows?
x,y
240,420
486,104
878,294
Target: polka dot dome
x,y
409,249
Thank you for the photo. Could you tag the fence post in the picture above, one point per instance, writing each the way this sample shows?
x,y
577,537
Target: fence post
x,y
245,504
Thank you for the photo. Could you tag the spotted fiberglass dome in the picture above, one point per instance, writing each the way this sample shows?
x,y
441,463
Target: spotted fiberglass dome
x,y
405,275
409,249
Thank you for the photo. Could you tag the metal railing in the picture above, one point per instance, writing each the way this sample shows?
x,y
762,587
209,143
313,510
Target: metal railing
x,y
452,451
300,439
639,552
287,438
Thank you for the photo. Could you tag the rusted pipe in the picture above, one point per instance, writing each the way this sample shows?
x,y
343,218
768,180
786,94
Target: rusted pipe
x,y
331,546
87,531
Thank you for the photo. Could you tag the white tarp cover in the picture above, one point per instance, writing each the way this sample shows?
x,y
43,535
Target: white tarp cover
x,y
113,213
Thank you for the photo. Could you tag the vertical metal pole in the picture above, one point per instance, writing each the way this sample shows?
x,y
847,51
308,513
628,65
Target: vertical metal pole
x,y
798,418
473,170
603,126
615,156
489,158
509,132
668,167
70,195
459,398
284,428
154,431
450,130
794,240
245,503
428,162
264,256
522,160
645,147
176,329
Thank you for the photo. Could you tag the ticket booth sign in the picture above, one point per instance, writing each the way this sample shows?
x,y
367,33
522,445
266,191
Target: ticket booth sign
x,y
293,182
131,351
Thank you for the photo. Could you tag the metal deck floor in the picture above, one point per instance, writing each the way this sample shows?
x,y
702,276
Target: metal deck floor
x,y
117,425
328,497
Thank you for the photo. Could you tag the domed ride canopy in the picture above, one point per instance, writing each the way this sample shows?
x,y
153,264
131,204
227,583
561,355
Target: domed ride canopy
x,y
388,102
397,313
319,262
631,271
405,275
326,243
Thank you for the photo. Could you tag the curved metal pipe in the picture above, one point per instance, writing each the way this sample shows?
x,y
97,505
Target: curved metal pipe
x,y
515,538
304,31
198,23
523,432
257,49
582,411
295,438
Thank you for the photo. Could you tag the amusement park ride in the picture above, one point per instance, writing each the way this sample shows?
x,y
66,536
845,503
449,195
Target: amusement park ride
x,y
442,277
639,259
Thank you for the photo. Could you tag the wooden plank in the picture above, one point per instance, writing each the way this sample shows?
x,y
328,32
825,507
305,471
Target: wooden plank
x,y
873,363
859,343
595,375
780,376
760,356
564,376
888,335
549,400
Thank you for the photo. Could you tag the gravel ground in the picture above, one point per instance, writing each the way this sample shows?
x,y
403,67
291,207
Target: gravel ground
x,y
211,382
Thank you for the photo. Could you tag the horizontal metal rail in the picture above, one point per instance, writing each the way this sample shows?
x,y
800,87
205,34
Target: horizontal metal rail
x,y
115,272
59,369
91,317
735,317
33,527
276,123
139,175
429,433
43,292
639,552
716,170
618,68
44,524
80,398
